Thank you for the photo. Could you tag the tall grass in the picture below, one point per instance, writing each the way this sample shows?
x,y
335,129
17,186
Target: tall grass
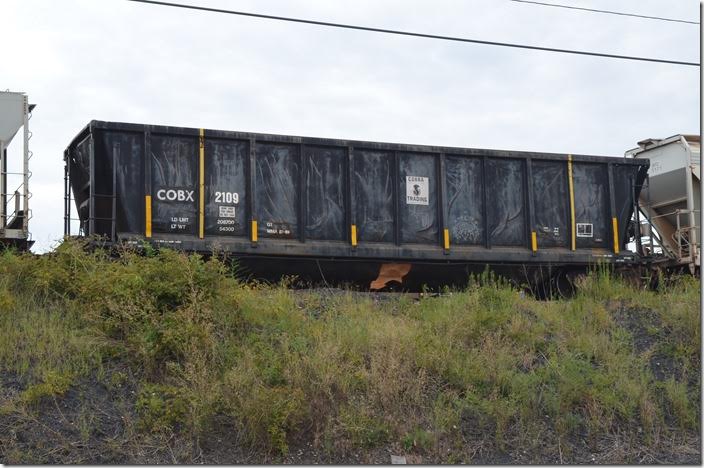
x,y
345,371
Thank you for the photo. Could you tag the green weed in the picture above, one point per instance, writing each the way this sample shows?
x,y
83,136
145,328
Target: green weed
x,y
53,384
161,407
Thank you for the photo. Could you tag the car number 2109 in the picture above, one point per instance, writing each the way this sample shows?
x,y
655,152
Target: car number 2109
x,y
227,197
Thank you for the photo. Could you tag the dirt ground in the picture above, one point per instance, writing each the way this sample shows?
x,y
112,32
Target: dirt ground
x,y
95,423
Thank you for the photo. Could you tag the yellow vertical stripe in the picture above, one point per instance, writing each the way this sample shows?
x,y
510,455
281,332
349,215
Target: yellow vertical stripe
x,y
201,211
534,241
254,231
446,238
353,230
148,216
614,224
573,224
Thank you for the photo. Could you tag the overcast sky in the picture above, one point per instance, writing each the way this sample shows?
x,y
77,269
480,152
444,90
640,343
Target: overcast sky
x,y
121,61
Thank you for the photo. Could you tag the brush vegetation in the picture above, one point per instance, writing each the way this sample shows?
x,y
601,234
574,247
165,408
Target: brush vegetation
x,y
170,357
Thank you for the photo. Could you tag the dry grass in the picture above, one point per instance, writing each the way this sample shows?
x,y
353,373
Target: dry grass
x,y
192,354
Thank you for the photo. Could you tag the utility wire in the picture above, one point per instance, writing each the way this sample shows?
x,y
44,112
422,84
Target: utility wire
x,y
414,34
660,18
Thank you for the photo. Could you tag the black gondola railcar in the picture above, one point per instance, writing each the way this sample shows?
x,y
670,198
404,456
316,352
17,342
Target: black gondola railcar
x,y
341,210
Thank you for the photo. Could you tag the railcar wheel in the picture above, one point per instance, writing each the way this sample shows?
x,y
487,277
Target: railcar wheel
x,y
566,282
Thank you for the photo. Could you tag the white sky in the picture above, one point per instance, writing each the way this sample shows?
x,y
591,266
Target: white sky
x,y
120,61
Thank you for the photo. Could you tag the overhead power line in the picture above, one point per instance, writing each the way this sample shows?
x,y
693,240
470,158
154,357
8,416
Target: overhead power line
x,y
415,34
609,12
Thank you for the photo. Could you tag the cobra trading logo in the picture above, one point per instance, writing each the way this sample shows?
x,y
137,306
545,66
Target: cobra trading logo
x,y
175,195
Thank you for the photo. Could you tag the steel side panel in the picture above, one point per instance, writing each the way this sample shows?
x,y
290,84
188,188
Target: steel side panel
x,y
174,169
592,205
465,205
129,149
506,212
372,177
324,182
551,200
418,199
277,185
225,187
